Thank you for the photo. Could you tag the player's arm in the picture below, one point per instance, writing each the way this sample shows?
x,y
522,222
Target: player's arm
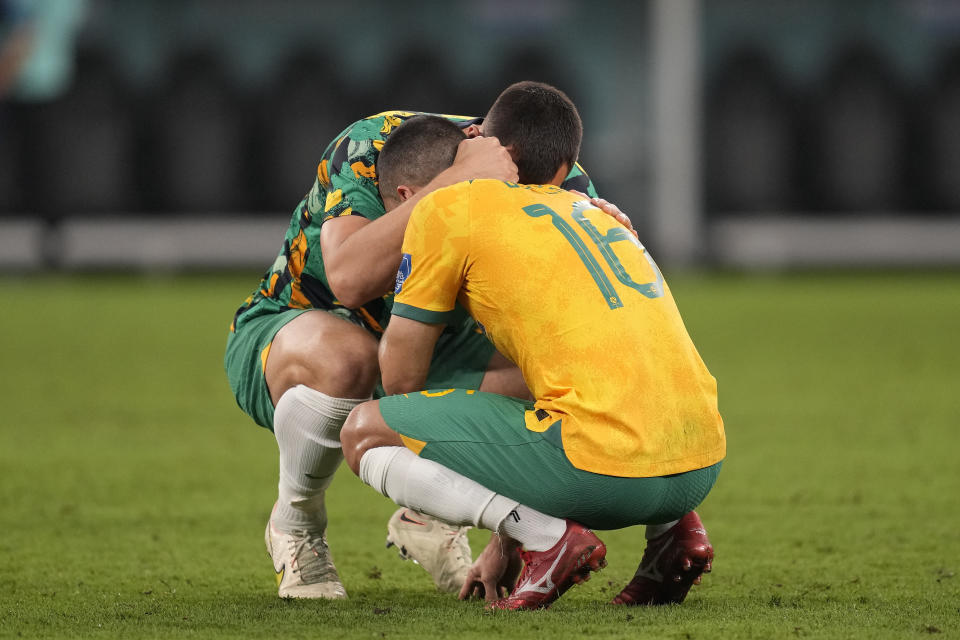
x,y
431,273
361,256
406,350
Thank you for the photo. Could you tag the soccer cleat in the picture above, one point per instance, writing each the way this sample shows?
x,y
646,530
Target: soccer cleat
x,y
672,563
440,548
519,562
525,557
302,564
548,574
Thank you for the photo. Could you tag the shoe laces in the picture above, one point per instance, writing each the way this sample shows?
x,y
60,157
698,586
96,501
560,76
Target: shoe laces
x,y
459,542
311,558
527,558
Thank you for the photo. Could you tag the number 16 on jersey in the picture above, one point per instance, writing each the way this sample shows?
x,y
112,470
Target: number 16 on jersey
x,y
604,244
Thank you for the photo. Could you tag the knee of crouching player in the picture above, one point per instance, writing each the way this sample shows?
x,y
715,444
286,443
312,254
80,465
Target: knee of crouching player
x,y
363,430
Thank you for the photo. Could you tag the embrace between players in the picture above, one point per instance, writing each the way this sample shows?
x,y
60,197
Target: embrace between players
x,y
507,284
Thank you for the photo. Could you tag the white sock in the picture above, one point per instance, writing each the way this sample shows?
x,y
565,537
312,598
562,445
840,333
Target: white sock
x,y
307,426
657,530
424,485
429,487
537,531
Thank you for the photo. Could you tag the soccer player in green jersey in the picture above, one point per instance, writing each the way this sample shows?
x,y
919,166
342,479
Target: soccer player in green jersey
x,y
302,349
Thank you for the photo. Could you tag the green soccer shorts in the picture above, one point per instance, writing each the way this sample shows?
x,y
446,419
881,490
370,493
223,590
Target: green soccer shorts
x,y
459,360
483,436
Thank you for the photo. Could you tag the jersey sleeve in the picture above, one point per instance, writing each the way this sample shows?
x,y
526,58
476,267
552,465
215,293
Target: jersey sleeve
x,y
578,180
433,266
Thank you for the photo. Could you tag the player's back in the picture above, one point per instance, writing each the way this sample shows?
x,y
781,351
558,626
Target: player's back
x,y
574,299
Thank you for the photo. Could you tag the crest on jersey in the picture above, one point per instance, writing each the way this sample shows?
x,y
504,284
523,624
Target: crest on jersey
x,y
402,272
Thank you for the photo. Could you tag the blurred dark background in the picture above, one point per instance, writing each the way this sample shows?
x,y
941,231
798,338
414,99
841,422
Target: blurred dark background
x,y
178,110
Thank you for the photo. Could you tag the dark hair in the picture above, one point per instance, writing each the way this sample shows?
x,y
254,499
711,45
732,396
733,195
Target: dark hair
x,y
541,126
416,152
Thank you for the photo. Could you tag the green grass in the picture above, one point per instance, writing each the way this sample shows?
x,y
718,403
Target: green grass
x,y
134,492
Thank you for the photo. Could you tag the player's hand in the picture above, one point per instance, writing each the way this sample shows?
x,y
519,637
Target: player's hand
x,y
483,158
494,573
611,210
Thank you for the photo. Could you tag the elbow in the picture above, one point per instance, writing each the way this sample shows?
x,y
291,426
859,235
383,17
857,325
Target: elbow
x,y
345,289
394,386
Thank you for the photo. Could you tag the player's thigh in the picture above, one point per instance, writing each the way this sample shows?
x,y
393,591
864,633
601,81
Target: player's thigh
x,y
485,437
256,356
325,352
610,502
245,361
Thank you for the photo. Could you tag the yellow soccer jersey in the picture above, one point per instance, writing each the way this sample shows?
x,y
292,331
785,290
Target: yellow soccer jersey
x,y
569,295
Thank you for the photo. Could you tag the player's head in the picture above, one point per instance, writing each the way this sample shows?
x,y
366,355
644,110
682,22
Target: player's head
x,y
540,126
414,154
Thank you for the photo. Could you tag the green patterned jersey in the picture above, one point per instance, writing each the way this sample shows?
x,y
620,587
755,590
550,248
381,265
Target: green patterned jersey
x,y
346,185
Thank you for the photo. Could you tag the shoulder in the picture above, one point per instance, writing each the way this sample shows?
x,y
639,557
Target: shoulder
x,y
379,126
363,139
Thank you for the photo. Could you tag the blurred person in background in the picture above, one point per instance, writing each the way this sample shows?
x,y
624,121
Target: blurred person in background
x,y
15,37
36,67
37,50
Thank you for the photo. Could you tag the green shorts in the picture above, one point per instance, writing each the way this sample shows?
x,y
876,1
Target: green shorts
x,y
484,437
459,360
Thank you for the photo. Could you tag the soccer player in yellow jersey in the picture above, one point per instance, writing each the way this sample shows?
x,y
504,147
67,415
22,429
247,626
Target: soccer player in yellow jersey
x,y
624,429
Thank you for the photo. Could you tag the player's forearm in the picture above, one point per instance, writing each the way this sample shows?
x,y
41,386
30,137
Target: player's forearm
x,y
399,383
364,266
399,376
406,350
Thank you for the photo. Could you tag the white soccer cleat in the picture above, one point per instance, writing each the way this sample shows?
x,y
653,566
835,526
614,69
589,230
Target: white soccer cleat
x,y
440,548
303,565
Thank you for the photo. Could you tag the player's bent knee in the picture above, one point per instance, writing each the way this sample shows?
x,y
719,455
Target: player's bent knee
x,y
351,434
324,353
363,430
353,370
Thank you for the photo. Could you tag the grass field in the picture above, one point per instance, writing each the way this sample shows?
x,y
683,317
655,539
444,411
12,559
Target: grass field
x,y
134,492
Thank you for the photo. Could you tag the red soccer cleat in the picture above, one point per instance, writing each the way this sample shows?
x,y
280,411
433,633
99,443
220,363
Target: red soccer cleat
x,y
525,557
672,563
548,574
